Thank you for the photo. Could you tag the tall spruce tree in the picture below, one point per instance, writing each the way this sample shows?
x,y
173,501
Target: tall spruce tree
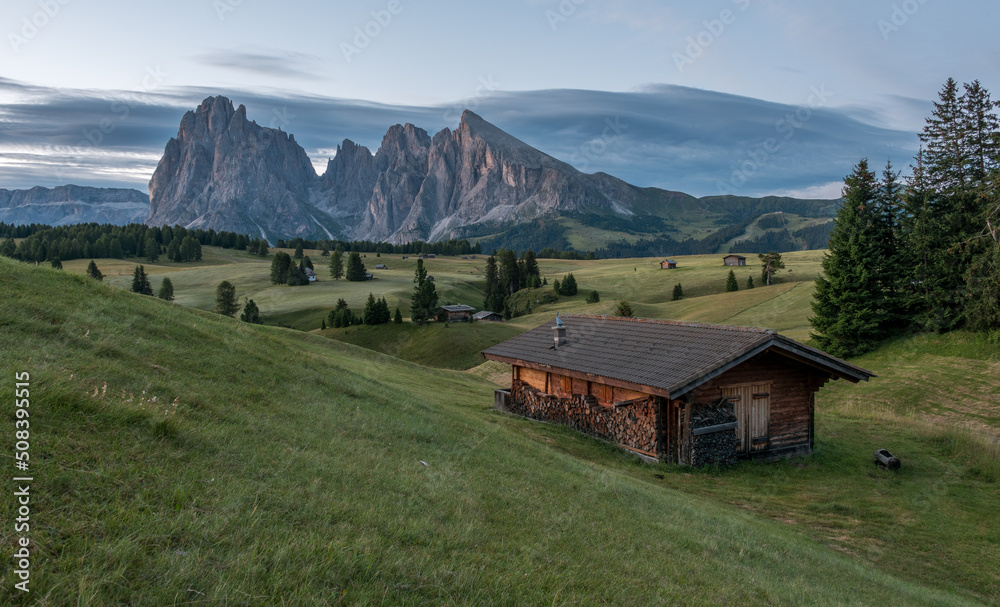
x,y
493,301
424,302
225,299
166,292
356,271
337,265
140,281
731,284
856,303
947,202
280,266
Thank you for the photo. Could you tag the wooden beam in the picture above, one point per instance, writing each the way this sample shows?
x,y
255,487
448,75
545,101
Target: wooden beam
x,y
610,381
716,428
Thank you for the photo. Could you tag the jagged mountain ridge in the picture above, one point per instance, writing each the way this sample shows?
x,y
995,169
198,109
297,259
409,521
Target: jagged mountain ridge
x,y
70,204
226,172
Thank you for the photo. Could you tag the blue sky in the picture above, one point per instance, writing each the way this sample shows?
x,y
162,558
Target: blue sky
x,y
727,96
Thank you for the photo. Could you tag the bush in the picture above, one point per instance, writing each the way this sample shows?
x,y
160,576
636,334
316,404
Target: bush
x,y
624,309
594,297
678,292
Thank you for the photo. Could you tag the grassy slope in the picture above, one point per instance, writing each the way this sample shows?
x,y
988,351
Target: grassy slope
x,y
275,466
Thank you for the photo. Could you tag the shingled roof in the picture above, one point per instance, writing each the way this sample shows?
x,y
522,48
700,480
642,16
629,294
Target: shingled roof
x,y
670,357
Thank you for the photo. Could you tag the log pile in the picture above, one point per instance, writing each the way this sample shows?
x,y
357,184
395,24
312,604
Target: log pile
x,y
719,447
632,426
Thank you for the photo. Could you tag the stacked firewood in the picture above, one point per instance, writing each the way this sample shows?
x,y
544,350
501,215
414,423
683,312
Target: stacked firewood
x,y
632,425
719,448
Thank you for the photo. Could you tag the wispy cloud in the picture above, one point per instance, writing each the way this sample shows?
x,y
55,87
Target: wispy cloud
x,y
676,138
270,63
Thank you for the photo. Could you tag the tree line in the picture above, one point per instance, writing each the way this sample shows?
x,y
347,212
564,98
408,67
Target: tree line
x,y
95,241
919,254
417,247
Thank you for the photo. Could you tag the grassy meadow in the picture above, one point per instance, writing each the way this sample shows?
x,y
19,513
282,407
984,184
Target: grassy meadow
x,y
185,458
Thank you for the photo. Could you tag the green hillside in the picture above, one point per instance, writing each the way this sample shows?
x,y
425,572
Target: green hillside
x,y
184,458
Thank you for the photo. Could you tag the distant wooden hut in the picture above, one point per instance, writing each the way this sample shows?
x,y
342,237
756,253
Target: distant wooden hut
x,y
668,264
458,312
381,266
734,260
311,275
487,316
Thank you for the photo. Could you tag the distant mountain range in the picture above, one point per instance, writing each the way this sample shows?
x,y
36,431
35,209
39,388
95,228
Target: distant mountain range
x,y
73,204
226,172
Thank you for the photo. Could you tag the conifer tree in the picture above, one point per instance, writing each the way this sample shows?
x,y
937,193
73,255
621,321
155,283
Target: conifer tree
x,y
56,263
337,265
424,301
251,313
397,318
280,266
140,282
568,286
93,272
624,309
493,301
225,299
151,249
166,292
298,251
856,303
750,281
678,292
731,284
356,271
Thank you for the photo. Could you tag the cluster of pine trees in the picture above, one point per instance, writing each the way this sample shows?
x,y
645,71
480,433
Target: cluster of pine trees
x,y
505,276
922,254
80,241
284,270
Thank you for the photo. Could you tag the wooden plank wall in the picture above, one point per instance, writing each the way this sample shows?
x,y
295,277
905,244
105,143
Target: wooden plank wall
x,y
792,387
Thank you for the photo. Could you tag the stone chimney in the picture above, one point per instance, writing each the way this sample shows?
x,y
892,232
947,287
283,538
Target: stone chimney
x,y
559,333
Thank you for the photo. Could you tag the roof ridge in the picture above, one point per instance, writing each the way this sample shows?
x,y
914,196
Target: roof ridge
x,y
676,323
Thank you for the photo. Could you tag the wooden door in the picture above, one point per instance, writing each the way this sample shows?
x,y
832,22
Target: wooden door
x,y
753,414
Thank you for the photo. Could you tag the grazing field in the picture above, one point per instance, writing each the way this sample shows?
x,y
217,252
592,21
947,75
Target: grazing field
x,y
185,458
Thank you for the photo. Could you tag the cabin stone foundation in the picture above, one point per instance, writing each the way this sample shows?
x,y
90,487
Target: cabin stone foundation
x,y
631,425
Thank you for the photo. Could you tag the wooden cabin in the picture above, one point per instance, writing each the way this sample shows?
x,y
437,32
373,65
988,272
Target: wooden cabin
x,y
668,264
381,266
457,313
669,390
487,316
734,260
310,274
